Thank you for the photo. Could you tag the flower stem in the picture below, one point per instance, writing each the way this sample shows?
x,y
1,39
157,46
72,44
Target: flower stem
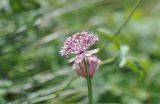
x,y
89,82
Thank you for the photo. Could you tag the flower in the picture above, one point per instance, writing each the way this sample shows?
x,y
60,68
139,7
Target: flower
x,y
84,61
90,62
78,43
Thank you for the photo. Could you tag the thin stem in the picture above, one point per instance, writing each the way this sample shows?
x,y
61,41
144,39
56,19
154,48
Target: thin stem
x,y
117,33
128,18
89,82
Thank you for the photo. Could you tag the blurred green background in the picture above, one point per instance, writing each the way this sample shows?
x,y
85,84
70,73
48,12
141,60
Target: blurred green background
x,y
33,31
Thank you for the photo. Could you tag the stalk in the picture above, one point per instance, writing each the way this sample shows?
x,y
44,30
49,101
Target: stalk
x,y
89,82
128,18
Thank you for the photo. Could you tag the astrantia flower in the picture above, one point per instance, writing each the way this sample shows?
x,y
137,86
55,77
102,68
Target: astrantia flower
x,y
92,65
78,43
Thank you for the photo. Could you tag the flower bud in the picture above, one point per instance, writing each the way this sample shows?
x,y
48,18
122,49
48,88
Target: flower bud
x,y
91,63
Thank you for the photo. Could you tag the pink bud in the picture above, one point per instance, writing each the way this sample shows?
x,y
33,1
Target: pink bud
x,y
92,64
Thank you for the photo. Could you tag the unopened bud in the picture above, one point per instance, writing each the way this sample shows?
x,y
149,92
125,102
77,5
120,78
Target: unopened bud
x,y
91,63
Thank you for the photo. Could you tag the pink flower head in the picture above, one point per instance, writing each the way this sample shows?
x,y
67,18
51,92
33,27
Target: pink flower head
x,y
92,64
78,43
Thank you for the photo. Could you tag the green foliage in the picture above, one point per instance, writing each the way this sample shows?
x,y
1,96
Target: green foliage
x,y
33,31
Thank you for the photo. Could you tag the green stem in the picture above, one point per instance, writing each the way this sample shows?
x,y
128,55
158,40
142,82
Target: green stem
x,y
117,33
128,18
89,82
119,30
